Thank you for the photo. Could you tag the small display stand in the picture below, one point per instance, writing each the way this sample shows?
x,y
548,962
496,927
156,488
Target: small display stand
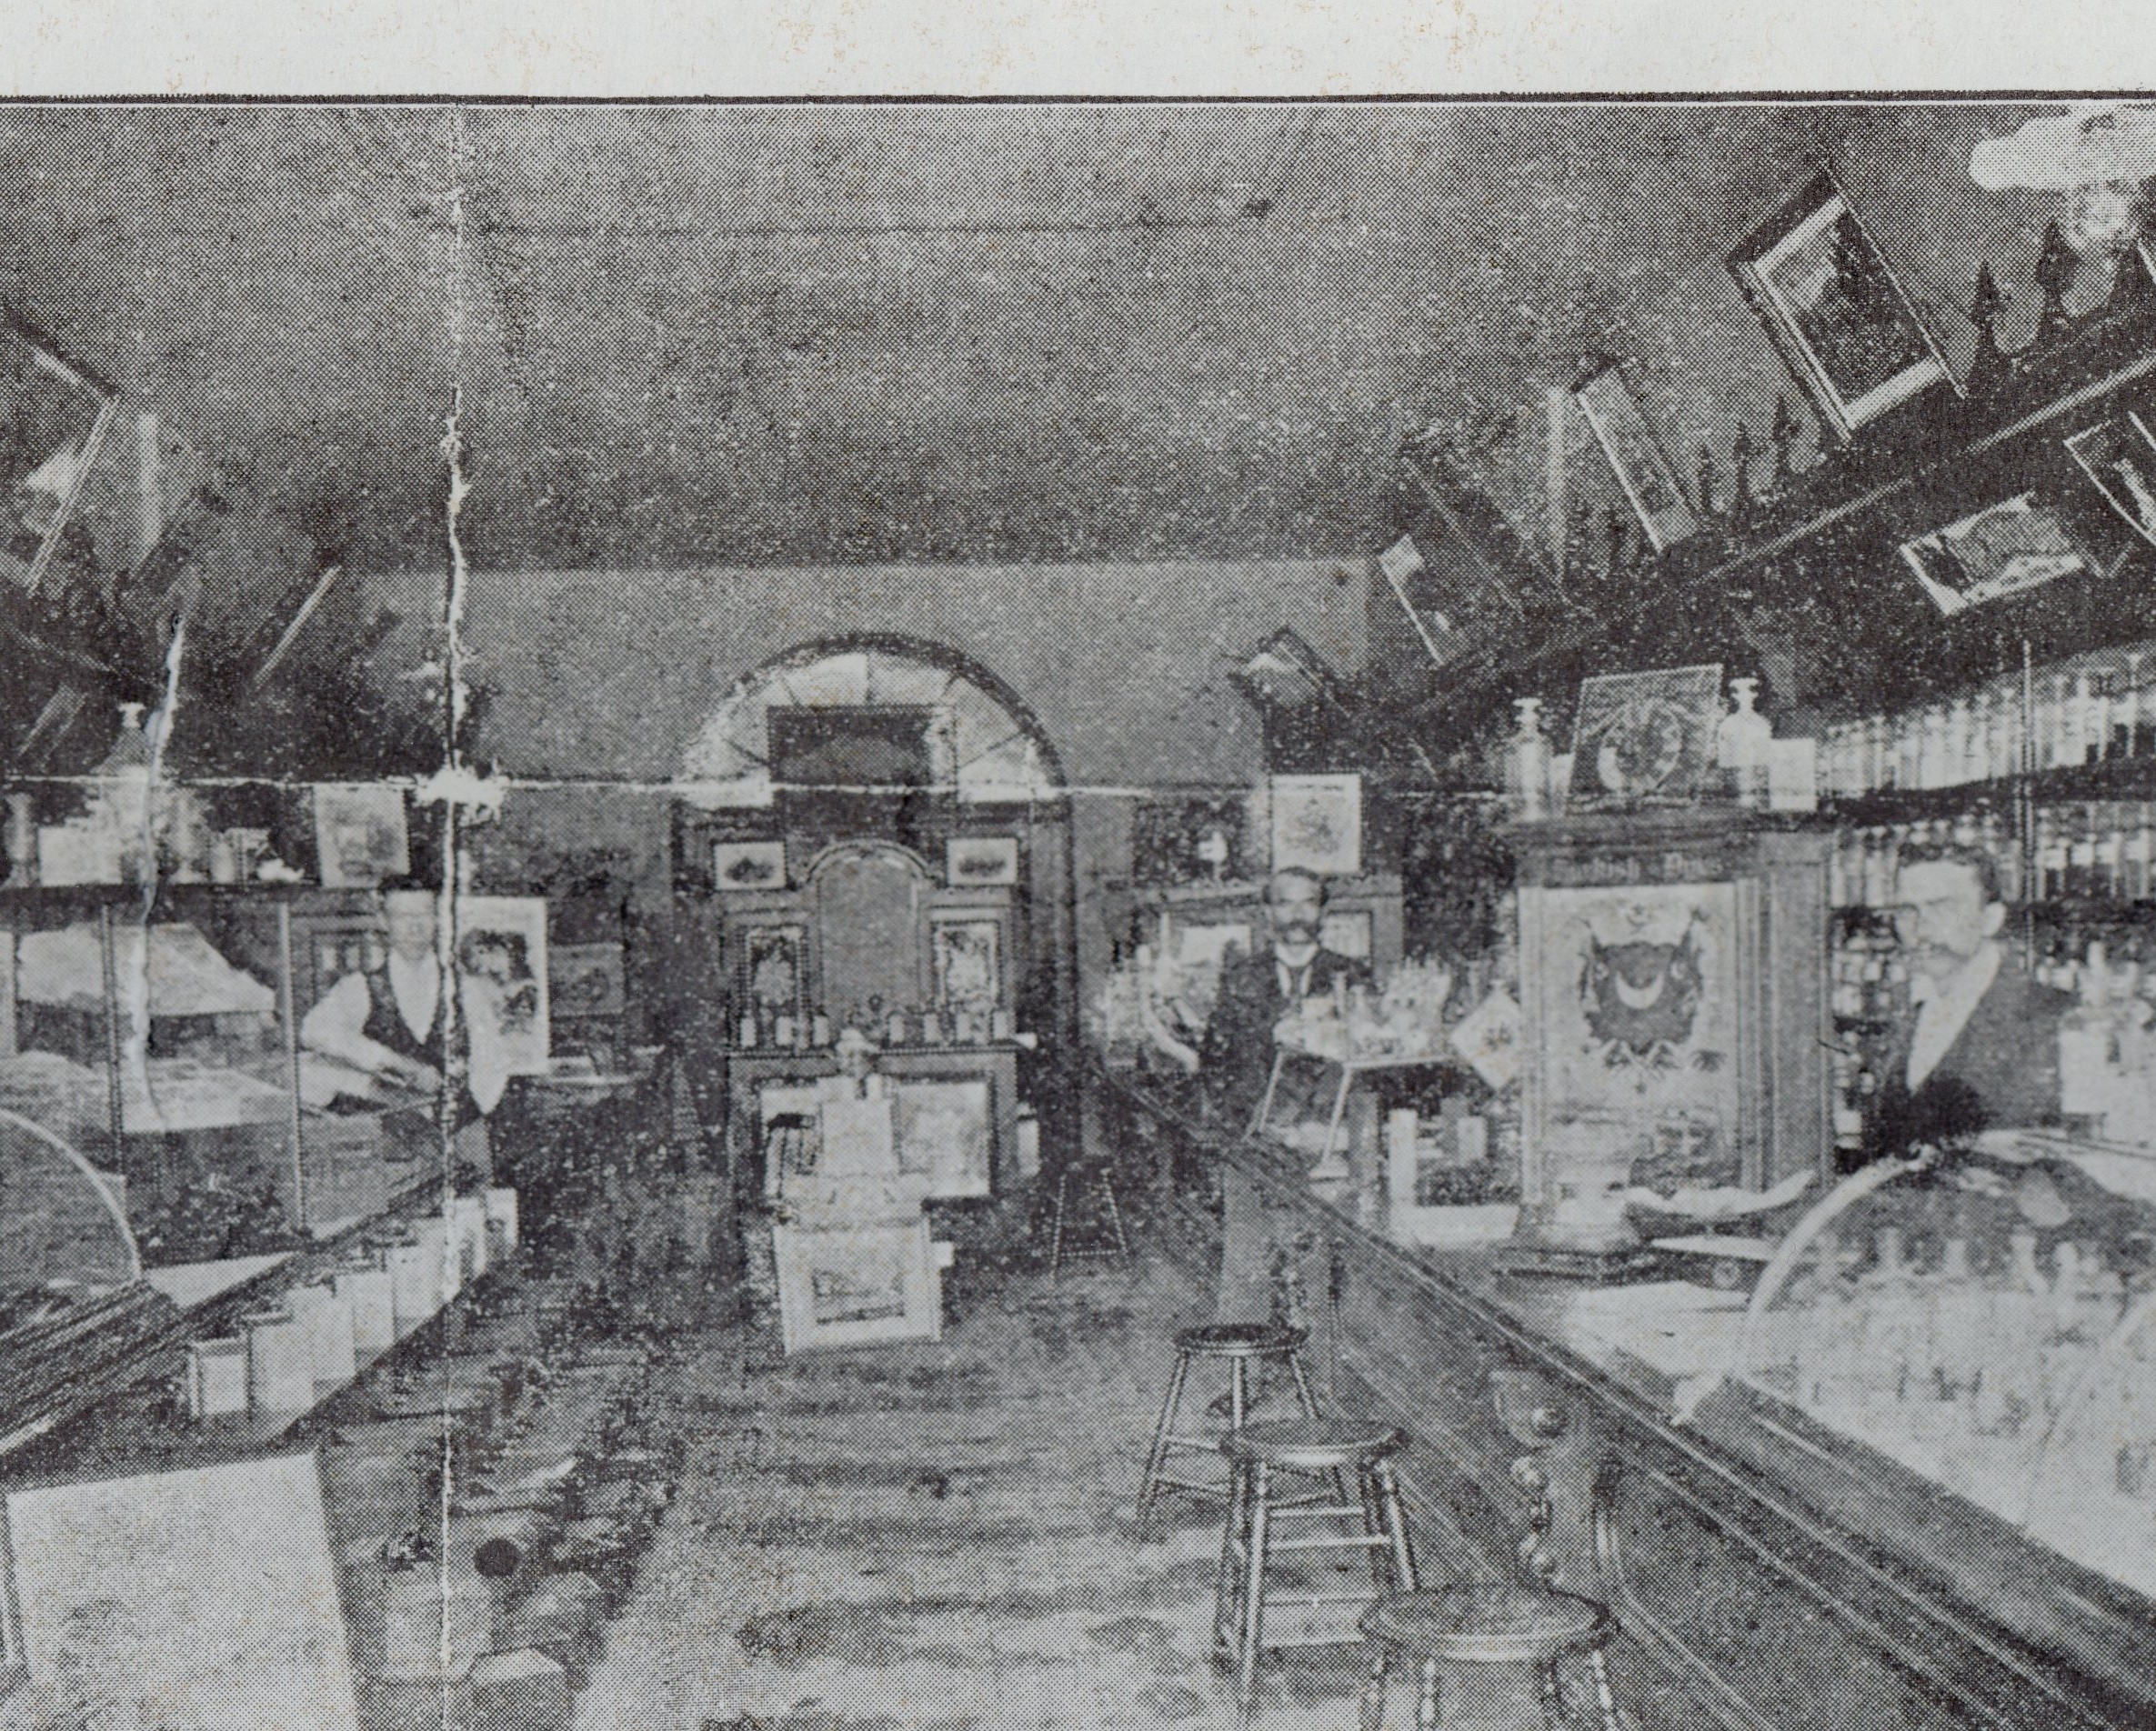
x,y
1333,1165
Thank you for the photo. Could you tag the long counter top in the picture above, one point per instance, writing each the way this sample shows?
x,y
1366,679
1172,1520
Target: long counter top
x,y
1719,1520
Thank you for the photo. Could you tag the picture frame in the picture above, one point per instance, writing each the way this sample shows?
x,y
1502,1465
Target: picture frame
x,y
1646,739
944,1128
55,412
1643,470
360,836
966,958
502,988
585,980
771,968
1176,841
748,866
1348,931
1315,825
1836,312
2006,548
2119,456
980,862
857,1284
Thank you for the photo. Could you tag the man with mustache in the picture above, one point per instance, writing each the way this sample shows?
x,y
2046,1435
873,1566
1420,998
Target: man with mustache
x,y
1258,989
1982,1051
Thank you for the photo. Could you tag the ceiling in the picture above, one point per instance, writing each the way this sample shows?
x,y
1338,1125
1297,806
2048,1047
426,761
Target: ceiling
x,y
680,337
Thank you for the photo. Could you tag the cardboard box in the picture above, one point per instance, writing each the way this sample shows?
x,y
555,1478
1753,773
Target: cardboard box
x,y
520,1691
216,1377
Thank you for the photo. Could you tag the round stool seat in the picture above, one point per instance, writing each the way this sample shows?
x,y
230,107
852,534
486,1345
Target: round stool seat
x,y
1490,1623
1240,1339
1314,1444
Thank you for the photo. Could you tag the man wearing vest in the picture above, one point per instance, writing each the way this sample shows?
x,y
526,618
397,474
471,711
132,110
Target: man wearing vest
x,y
1235,1061
389,1023
1259,988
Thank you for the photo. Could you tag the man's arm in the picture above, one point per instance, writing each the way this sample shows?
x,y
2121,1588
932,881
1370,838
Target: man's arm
x,y
337,1027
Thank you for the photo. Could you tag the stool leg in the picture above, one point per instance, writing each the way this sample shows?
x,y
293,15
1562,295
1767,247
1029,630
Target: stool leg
x,y
1604,1698
1253,1630
1425,1698
1302,1387
1554,1716
1382,1569
1115,1217
1396,1525
1228,1614
1149,1492
1238,1391
1056,1230
1372,1716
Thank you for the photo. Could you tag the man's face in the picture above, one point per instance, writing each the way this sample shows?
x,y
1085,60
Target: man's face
x,y
1294,905
411,925
1943,918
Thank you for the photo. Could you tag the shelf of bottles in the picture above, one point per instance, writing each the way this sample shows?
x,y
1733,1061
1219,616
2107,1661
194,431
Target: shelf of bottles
x,y
763,1029
2097,709
2004,1357
2043,772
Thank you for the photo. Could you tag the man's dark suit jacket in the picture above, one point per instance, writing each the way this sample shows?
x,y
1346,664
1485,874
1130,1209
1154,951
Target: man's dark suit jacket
x,y
1236,1057
2001,1071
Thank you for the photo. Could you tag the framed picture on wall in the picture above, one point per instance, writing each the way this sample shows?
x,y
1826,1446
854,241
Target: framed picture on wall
x,y
977,862
586,980
772,965
1317,824
502,987
736,865
2017,545
967,957
1845,328
1636,456
359,833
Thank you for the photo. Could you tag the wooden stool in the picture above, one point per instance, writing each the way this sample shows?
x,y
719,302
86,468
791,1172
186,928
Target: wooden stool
x,y
1332,1448
1488,1623
1237,1344
1118,1249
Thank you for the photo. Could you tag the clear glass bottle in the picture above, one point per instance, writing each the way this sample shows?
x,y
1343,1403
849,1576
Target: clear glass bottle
x,y
2060,729
1743,741
2094,689
1528,761
2141,841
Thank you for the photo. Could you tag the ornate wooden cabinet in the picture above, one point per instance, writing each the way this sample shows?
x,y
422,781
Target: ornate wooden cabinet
x,y
1674,1011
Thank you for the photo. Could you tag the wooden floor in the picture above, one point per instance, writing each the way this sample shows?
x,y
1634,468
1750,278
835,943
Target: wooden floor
x,y
937,1537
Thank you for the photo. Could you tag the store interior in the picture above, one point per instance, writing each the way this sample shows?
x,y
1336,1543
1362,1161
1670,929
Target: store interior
x,y
931,916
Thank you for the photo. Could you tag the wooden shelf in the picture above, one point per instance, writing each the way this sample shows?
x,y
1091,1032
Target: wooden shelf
x,y
1855,503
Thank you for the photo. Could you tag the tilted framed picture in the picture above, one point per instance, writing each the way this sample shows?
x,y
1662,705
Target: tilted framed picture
x,y
1643,467
2003,550
53,414
2119,456
1846,329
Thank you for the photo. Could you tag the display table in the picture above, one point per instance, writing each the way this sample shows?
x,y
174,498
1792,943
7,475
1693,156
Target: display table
x,y
747,1072
1766,1570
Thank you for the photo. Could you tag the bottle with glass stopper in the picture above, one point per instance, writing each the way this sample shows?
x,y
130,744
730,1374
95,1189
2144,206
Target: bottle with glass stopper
x,y
1743,743
1528,773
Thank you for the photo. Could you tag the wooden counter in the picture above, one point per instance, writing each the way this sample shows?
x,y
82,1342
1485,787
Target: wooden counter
x,y
1767,1572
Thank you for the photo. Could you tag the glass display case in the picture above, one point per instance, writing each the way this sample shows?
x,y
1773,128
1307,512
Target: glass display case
x,y
1984,1322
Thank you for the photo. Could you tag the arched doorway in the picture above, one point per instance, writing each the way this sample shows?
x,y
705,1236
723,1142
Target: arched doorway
x,y
849,770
